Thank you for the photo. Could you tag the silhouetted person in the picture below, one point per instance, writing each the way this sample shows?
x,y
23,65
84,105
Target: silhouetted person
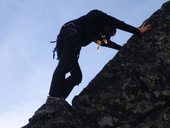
x,y
95,26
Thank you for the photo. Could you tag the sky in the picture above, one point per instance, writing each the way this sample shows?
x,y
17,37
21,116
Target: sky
x,y
26,64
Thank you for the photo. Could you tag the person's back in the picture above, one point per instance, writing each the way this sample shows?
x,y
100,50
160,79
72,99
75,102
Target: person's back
x,y
91,25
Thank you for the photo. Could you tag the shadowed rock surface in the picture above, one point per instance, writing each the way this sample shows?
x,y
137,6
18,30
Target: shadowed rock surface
x,y
131,91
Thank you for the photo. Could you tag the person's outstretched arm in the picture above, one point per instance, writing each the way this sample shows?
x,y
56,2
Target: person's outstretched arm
x,y
129,28
107,43
116,23
111,44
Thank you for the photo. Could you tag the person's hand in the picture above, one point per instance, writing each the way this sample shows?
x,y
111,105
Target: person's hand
x,y
145,27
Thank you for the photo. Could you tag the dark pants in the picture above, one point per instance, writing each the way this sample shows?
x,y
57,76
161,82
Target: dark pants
x,y
68,45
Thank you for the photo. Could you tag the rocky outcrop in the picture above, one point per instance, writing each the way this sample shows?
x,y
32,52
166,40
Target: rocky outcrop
x,y
131,91
55,113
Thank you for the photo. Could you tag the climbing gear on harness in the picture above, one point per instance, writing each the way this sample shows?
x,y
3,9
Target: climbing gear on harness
x,y
54,50
53,41
100,43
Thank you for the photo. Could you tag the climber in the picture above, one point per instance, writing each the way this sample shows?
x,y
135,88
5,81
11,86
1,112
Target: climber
x,y
96,26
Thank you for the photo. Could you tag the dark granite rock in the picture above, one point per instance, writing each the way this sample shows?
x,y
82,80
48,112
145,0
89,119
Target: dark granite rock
x,y
135,83
131,91
54,114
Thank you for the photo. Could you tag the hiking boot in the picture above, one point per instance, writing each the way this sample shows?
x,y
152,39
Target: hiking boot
x,y
60,102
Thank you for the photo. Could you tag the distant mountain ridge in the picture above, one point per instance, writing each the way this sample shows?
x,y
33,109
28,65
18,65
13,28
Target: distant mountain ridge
x,y
131,91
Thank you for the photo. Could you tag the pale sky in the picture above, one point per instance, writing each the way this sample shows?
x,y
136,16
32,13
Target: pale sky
x,y
26,68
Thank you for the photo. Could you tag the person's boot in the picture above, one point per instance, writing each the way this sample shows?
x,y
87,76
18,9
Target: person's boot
x,y
59,101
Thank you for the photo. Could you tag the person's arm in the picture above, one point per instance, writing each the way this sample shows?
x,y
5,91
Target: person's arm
x,y
126,27
106,42
111,44
116,23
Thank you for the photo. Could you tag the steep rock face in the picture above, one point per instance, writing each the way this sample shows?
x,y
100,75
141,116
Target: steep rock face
x,y
135,83
131,91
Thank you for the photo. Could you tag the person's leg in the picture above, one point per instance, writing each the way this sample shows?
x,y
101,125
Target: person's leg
x,y
74,79
76,74
57,88
69,55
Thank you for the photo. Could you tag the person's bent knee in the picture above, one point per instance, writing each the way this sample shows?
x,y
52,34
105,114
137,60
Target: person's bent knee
x,y
78,80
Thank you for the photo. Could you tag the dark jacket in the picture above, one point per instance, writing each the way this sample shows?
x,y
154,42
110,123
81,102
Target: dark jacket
x,y
93,23
92,27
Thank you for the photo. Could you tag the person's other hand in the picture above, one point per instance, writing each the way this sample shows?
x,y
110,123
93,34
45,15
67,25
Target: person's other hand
x,y
144,28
